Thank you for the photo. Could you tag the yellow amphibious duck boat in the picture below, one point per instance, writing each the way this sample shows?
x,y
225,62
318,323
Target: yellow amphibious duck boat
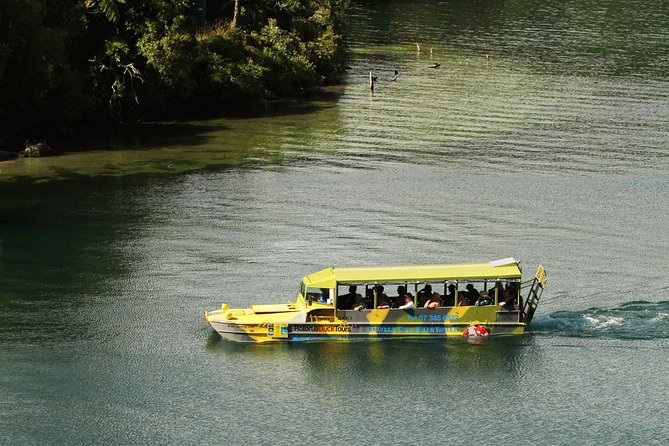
x,y
393,301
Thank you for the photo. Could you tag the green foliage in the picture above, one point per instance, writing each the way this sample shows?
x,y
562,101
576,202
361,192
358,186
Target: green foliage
x,y
110,8
61,60
169,51
325,51
229,70
285,56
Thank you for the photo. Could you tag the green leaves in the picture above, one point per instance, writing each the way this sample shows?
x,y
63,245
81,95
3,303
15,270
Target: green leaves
x,y
64,60
170,50
110,8
285,54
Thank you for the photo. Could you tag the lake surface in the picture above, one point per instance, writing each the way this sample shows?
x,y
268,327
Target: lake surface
x,y
553,149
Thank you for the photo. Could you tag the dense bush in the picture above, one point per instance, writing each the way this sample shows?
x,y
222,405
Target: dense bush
x,y
63,61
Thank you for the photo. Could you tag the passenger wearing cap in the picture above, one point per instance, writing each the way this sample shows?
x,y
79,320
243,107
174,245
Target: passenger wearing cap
x,y
483,299
408,303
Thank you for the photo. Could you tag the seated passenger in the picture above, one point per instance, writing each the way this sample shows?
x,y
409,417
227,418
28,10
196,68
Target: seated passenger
x,y
472,294
408,303
383,304
399,299
380,295
509,302
483,299
347,300
433,302
325,295
449,299
359,304
424,295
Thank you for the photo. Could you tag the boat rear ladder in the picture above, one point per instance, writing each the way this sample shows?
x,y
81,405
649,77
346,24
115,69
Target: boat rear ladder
x,y
534,294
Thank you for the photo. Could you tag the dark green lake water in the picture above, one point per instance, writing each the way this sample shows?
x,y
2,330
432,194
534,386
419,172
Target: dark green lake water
x,y
553,149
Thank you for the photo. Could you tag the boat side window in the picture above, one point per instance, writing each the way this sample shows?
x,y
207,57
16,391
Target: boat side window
x,y
469,292
384,295
511,294
346,293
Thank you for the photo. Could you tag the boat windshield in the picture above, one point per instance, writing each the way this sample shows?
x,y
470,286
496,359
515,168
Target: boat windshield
x,y
323,295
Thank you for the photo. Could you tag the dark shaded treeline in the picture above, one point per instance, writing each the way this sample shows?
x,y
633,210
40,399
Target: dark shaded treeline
x,y
64,63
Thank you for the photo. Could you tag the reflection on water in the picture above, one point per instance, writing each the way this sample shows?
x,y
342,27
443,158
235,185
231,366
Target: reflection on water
x,y
453,360
420,359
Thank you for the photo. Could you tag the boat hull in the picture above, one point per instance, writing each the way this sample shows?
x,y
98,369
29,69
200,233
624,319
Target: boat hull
x,y
395,323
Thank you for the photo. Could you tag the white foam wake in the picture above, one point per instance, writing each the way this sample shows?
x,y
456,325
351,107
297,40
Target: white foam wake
x,y
604,321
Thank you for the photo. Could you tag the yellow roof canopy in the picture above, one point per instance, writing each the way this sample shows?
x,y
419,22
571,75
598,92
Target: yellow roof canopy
x,y
329,277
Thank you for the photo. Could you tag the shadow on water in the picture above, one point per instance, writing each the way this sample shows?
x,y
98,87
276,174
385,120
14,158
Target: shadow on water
x,y
197,131
142,136
288,107
60,246
194,130
173,148
631,320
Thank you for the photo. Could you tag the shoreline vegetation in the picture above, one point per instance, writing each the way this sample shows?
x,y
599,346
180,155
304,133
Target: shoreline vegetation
x,y
72,64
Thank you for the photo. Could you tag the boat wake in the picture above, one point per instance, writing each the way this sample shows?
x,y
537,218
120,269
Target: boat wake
x,y
631,320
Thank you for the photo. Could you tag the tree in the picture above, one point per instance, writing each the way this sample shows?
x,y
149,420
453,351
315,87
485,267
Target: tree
x,y
235,14
109,8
